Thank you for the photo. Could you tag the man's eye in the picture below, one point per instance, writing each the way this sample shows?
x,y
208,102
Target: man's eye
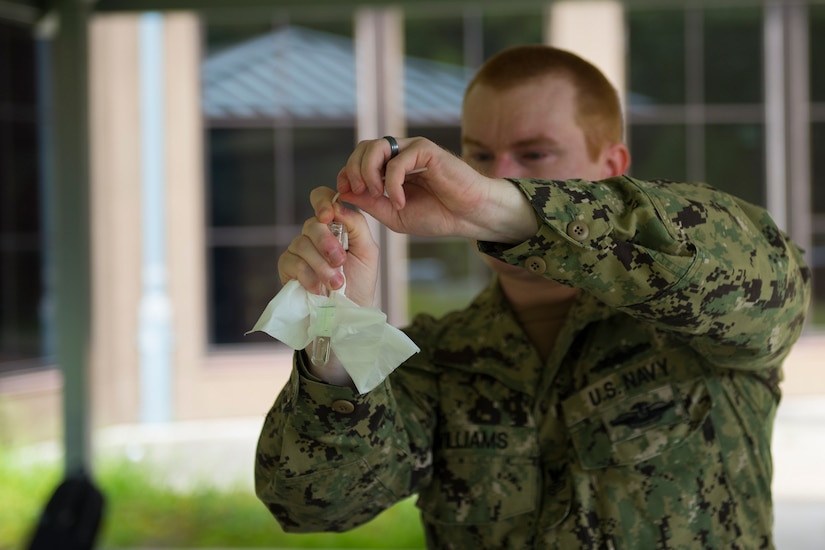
x,y
482,157
534,155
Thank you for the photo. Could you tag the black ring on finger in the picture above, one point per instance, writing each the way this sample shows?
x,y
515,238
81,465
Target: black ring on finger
x,y
393,146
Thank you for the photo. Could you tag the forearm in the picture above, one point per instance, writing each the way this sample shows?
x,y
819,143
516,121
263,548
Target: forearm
x,y
507,216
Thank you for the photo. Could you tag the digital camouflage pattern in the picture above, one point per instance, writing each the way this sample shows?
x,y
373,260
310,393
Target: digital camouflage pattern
x,y
648,427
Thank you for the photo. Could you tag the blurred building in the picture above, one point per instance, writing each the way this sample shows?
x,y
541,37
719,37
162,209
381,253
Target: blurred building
x,y
207,131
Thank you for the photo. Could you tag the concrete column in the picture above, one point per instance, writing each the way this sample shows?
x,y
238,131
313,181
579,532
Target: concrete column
x,y
379,63
799,182
593,29
775,120
185,216
787,120
116,202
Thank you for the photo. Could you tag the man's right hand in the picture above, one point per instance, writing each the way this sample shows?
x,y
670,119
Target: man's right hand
x,y
315,256
448,199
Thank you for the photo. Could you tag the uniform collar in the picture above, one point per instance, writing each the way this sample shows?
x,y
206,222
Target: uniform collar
x,y
487,338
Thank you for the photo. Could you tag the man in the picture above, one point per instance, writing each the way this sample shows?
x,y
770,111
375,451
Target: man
x,y
613,387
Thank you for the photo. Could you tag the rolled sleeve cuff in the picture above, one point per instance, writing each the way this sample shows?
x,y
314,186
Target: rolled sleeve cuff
x,y
571,222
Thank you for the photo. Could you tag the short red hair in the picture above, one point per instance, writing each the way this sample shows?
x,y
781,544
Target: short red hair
x,y
599,112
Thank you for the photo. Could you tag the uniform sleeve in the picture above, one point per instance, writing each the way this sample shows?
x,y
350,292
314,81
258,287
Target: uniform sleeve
x,y
330,459
687,257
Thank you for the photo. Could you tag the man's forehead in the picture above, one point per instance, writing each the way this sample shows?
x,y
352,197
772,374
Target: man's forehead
x,y
535,102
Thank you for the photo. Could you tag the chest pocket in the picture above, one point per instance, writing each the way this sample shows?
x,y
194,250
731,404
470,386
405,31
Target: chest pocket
x,y
482,474
622,419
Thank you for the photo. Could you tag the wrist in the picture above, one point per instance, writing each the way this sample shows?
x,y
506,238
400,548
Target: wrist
x,y
333,372
509,216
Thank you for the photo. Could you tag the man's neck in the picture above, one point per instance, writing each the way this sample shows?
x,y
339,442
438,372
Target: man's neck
x,y
528,291
540,305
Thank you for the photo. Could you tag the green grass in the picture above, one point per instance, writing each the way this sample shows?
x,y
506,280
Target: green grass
x,y
140,513
818,314
21,493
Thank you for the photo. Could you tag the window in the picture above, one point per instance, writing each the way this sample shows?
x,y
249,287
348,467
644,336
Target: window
x,y
732,51
817,54
280,107
734,159
817,78
695,101
659,151
656,68
818,172
21,248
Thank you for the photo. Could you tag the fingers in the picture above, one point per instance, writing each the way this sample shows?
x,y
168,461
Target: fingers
x,y
393,183
364,168
321,200
371,170
315,257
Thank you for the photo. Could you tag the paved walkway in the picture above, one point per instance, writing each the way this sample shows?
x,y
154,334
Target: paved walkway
x,y
799,484
799,449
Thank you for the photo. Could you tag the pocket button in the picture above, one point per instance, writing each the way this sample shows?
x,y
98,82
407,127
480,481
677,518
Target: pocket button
x,y
342,406
578,230
535,265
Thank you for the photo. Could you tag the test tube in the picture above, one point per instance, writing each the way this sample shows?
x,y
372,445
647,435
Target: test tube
x,y
326,314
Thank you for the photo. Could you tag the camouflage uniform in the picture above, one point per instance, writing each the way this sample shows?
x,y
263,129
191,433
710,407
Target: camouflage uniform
x,y
649,425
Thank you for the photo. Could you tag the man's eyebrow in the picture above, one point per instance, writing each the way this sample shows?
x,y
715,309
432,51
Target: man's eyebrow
x,y
532,142
529,142
473,142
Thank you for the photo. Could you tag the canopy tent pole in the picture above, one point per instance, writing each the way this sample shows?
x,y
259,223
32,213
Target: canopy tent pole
x,y
70,241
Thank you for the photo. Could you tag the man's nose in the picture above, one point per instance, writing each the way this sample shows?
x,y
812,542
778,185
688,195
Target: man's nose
x,y
504,167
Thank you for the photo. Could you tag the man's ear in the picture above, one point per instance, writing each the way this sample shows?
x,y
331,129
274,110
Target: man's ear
x,y
615,160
